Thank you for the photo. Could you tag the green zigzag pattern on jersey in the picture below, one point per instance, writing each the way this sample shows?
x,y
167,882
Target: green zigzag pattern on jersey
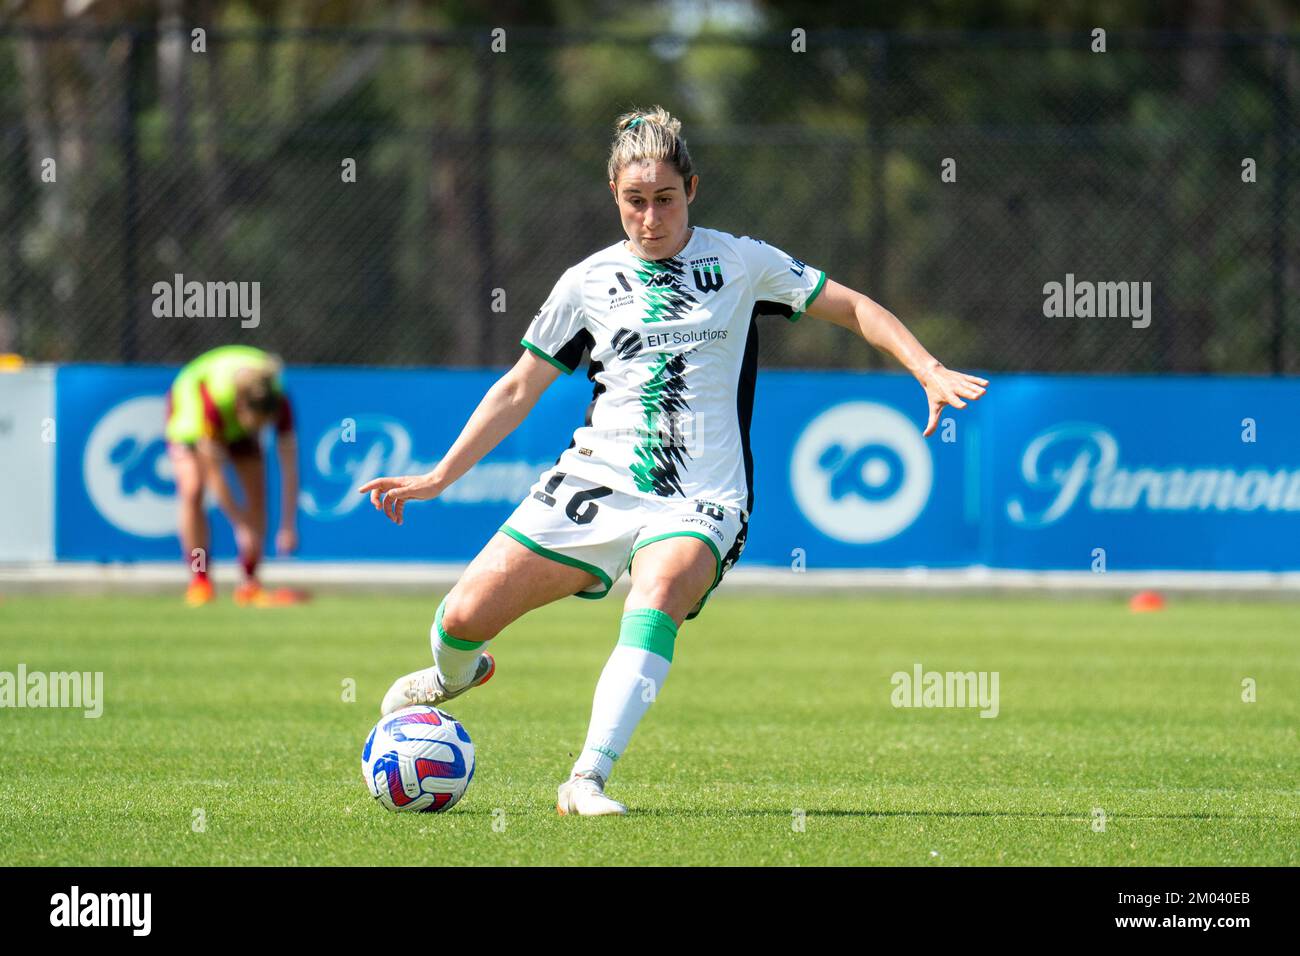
x,y
656,466
667,301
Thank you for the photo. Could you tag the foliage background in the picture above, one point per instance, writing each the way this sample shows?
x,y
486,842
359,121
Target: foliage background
x,y
481,170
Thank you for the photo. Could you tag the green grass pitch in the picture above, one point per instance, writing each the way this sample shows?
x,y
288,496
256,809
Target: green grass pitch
x,y
775,704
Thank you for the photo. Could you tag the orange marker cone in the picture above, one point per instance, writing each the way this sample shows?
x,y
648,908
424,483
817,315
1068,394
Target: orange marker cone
x,y
1146,601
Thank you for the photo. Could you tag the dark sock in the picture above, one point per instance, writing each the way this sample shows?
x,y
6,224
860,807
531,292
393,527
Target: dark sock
x,y
249,564
200,575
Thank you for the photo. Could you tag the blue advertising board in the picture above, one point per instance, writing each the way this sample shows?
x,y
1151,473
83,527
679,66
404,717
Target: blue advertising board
x,y
1194,473
1177,472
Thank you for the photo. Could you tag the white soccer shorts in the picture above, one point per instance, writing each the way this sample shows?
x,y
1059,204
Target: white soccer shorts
x,y
585,525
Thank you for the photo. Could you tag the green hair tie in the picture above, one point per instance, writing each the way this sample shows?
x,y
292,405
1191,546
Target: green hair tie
x,y
634,122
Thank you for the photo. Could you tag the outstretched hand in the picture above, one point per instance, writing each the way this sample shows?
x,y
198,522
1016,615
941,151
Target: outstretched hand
x,y
944,386
390,495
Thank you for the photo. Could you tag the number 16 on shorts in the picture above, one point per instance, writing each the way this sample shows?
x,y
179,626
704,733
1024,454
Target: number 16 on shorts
x,y
580,508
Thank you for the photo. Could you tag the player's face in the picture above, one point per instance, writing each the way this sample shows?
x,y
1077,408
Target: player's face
x,y
652,201
249,418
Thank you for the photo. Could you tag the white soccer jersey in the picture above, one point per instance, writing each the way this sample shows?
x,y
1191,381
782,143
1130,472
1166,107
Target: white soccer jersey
x,y
674,350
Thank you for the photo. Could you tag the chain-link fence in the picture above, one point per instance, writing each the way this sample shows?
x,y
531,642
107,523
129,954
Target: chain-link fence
x,y
951,177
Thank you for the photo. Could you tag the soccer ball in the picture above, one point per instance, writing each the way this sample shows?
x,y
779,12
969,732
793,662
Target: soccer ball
x,y
418,759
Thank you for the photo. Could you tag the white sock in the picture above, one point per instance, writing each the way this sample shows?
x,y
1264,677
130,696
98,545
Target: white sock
x,y
456,660
633,677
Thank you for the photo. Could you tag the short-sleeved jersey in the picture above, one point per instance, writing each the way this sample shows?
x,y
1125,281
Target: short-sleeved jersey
x,y
674,347
201,403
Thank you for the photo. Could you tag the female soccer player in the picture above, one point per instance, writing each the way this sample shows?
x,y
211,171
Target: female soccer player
x,y
659,478
215,409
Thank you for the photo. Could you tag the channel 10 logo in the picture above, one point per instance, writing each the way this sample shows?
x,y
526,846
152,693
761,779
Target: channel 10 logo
x,y
127,473
861,472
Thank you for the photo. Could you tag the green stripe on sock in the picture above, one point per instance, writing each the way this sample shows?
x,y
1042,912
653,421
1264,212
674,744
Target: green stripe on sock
x,y
446,638
649,629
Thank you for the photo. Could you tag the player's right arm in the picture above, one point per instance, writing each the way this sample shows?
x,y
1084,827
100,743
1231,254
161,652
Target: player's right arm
x,y
555,342
506,404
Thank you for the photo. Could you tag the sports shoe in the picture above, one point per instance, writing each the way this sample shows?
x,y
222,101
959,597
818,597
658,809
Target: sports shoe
x,y
283,597
199,592
251,593
584,796
427,687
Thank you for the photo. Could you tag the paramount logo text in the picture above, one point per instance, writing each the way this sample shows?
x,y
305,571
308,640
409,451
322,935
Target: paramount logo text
x,y
77,689
1080,462
351,453
946,689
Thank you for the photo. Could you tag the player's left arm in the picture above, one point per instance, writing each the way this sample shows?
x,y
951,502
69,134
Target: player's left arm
x,y
852,310
286,448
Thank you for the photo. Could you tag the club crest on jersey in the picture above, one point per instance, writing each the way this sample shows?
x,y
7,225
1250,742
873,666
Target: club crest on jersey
x,y
707,273
712,509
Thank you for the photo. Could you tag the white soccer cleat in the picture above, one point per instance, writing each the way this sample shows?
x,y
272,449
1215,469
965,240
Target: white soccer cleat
x,y
585,797
427,687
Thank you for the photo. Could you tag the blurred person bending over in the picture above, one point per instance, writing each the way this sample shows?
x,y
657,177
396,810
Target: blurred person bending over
x,y
216,408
